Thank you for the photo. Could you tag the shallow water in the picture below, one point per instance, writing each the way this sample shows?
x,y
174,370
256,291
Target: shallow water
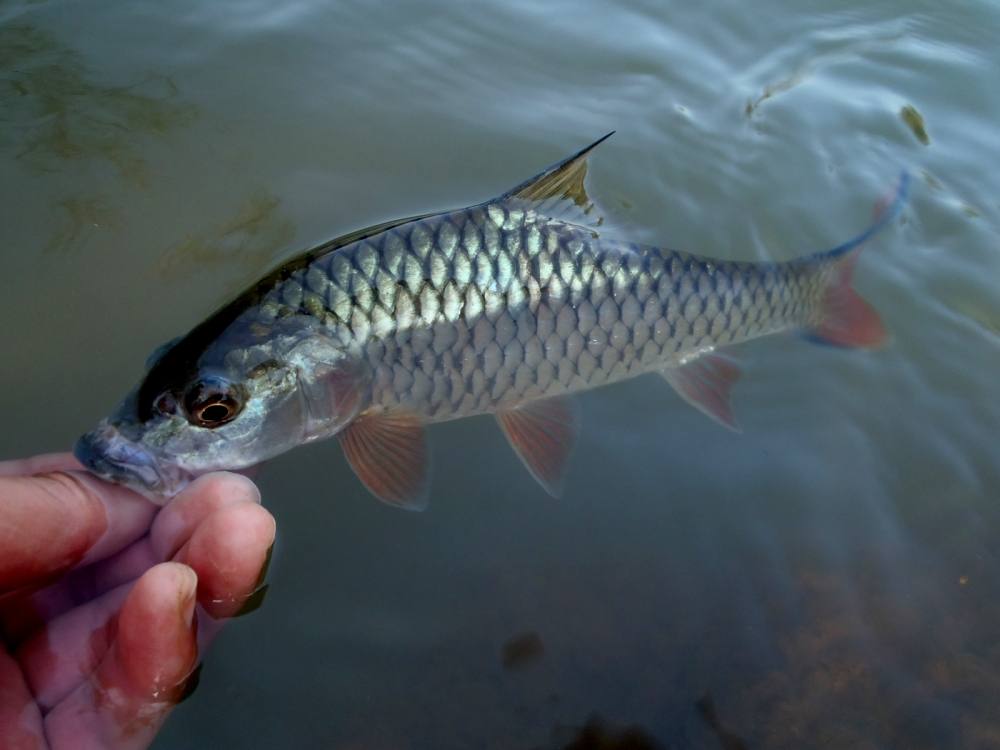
x,y
829,578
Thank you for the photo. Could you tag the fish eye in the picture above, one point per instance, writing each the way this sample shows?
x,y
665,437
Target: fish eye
x,y
212,403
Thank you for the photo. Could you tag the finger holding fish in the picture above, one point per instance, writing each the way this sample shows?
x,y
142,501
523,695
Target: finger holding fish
x,y
103,654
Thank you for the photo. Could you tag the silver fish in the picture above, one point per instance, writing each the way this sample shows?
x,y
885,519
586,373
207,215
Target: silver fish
x,y
507,307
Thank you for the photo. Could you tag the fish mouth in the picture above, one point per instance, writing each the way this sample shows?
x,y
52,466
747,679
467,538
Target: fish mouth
x,y
108,454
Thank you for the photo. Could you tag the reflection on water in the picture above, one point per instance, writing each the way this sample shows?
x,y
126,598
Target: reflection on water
x,y
839,50
250,239
983,312
773,89
977,304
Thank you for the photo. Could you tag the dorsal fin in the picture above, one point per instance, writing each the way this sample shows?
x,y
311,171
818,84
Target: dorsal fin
x,y
559,190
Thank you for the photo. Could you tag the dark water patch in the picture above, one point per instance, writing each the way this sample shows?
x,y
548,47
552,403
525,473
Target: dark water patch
x,y
727,739
596,734
522,650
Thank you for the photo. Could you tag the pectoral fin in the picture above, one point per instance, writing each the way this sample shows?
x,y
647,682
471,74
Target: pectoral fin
x,y
543,434
705,384
388,452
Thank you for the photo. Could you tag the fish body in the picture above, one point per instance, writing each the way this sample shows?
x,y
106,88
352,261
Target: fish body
x,y
506,307
486,308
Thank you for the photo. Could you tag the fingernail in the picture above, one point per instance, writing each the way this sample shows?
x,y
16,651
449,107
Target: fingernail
x,y
190,684
253,602
187,594
265,567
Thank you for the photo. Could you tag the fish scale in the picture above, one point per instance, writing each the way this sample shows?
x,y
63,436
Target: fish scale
x,y
478,309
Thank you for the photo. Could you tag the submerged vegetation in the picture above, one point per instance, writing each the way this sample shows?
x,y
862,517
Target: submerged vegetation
x,y
915,122
56,110
80,214
57,116
250,239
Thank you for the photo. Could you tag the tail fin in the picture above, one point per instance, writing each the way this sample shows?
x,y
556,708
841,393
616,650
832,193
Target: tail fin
x,y
847,319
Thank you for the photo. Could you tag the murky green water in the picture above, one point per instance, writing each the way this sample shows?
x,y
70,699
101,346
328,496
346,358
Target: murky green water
x,y
828,579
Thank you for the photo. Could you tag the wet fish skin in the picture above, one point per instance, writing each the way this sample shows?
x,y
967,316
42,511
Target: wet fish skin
x,y
505,307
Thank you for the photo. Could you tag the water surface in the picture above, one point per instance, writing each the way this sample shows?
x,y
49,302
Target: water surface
x,y
829,578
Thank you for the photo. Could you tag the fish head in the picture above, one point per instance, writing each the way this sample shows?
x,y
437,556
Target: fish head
x,y
228,408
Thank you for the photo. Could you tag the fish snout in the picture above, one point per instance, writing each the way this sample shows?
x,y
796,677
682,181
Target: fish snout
x,y
109,455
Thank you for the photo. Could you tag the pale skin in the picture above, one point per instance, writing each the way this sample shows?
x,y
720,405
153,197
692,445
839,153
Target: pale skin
x,y
106,600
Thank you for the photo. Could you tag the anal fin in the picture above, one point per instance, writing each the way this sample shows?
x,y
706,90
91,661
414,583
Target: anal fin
x,y
388,452
705,383
543,434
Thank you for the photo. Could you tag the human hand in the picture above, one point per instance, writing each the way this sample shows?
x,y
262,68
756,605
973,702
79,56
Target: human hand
x,y
106,600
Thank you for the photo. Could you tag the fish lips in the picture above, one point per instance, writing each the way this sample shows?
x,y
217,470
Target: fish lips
x,y
108,454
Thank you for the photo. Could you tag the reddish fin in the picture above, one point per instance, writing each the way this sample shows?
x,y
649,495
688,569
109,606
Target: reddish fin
x,y
543,434
388,452
847,319
705,384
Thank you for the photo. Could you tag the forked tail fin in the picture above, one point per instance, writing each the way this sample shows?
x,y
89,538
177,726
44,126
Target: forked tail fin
x,y
846,318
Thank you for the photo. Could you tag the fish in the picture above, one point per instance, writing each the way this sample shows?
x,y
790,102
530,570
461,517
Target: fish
x,y
507,307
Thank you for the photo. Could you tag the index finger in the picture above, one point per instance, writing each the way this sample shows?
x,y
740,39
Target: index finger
x,y
39,464
52,522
